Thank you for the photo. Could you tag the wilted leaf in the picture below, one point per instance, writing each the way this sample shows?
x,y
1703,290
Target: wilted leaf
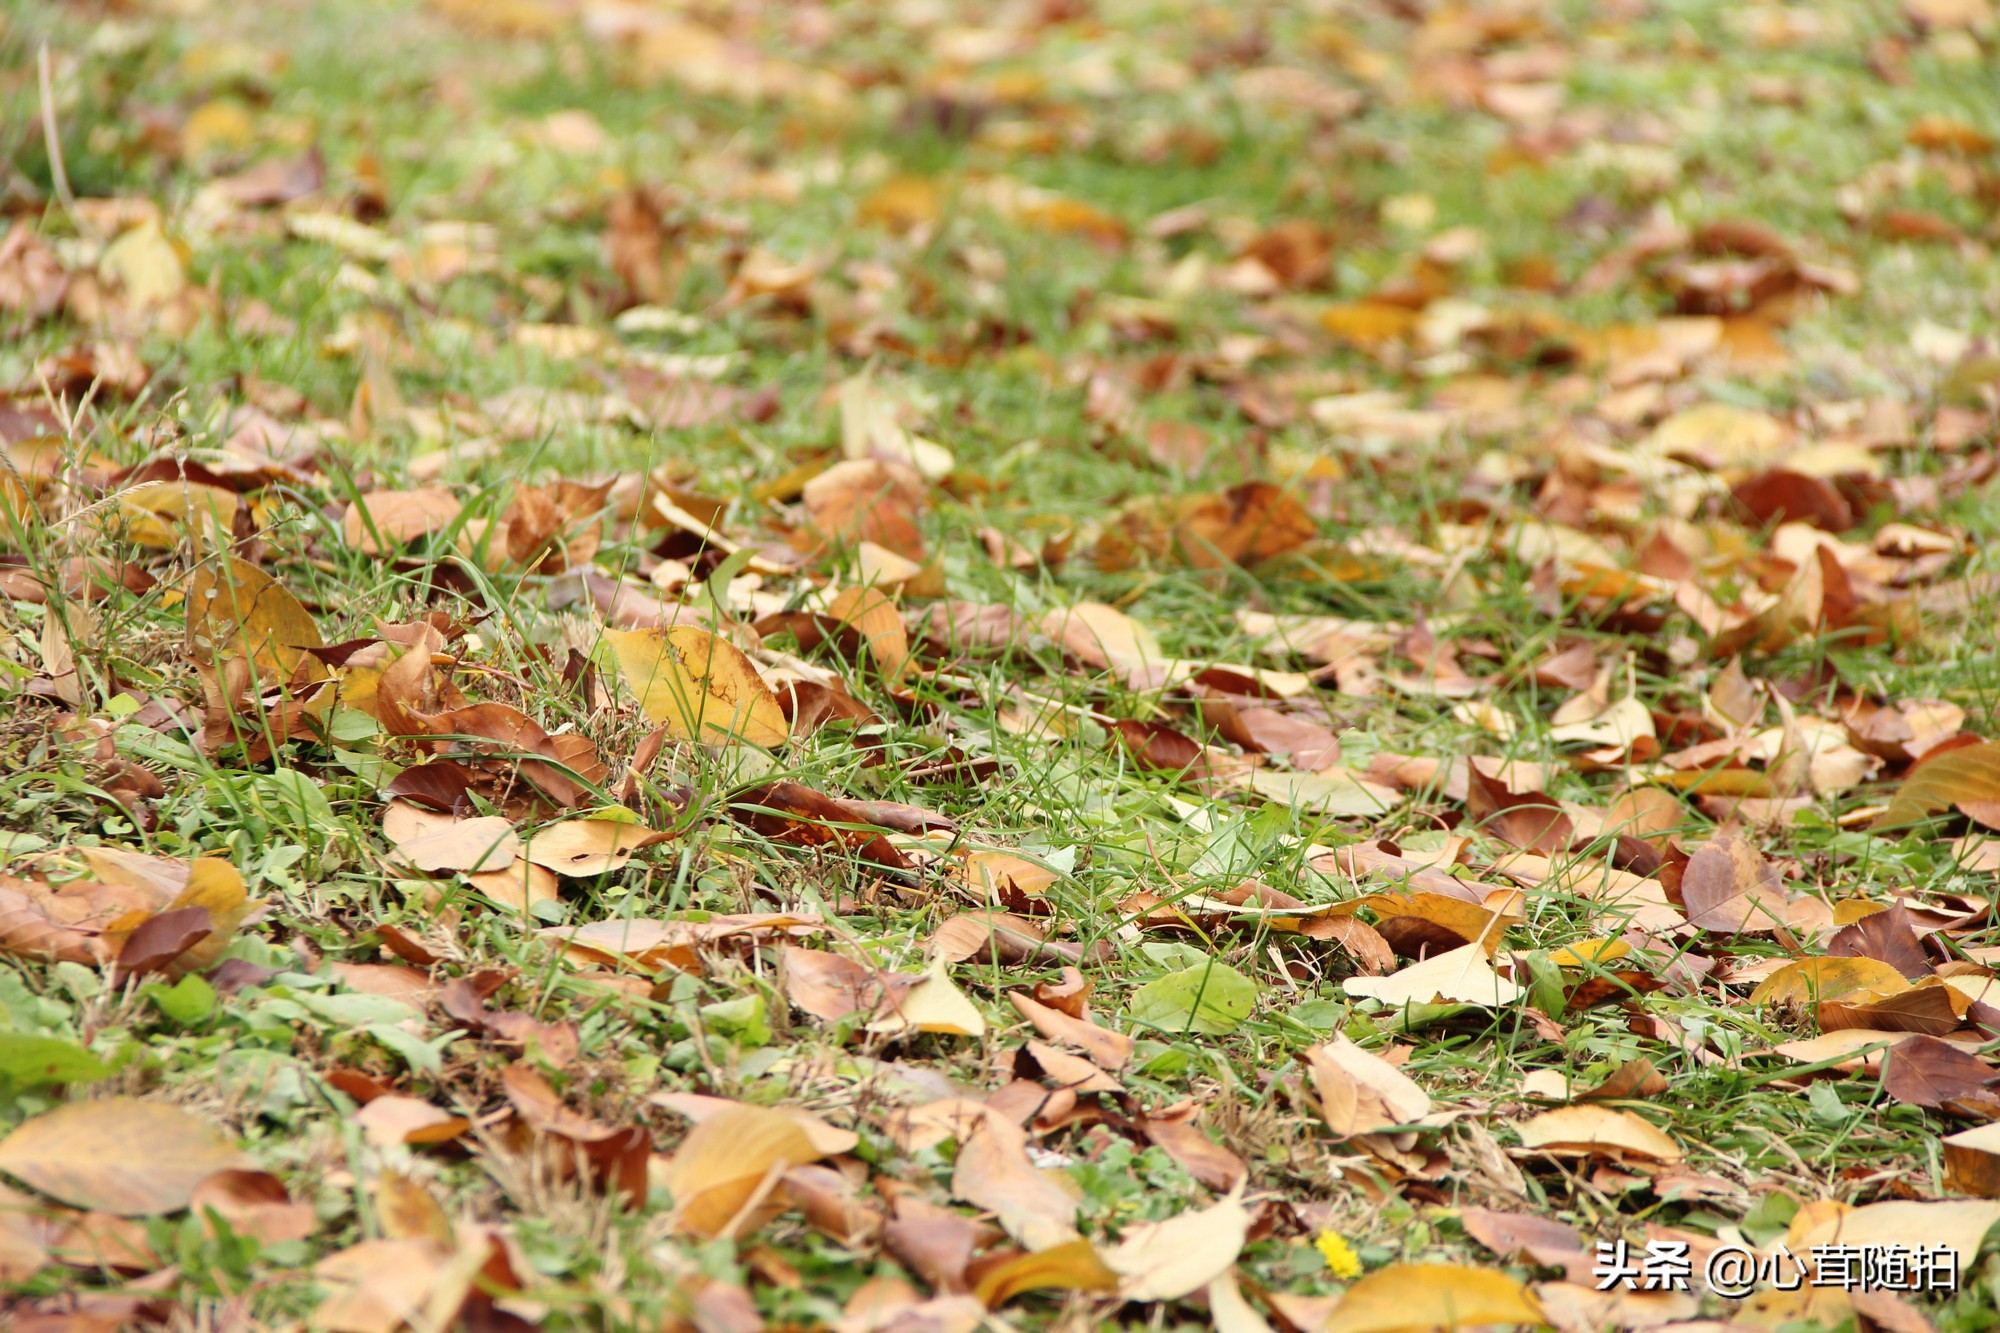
x,y
698,686
1580,1129
1164,1261
383,520
934,1004
1729,887
1924,1071
1403,1298
1361,1093
1970,773
1811,980
117,1155
236,609
1461,976
581,848
731,1161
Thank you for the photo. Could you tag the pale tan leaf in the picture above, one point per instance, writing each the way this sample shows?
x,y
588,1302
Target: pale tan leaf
x,y
1460,976
1597,1128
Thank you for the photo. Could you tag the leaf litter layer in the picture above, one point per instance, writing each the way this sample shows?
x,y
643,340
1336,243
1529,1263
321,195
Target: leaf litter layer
x,y
880,667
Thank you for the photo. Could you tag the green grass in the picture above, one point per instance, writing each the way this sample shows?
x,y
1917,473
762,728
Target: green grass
x,y
447,117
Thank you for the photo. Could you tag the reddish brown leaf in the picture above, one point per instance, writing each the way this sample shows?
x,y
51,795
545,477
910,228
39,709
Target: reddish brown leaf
x,y
163,938
1923,1071
1728,887
1886,936
1528,820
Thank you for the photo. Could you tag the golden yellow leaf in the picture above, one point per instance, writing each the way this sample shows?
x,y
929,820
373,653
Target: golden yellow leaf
x,y
728,1161
585,847
118,1155
1810,980
237,610
1971,773
873,615
697,686
1415,1298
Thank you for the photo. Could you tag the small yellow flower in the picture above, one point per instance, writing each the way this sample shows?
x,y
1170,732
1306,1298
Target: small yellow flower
x,y
1340,1257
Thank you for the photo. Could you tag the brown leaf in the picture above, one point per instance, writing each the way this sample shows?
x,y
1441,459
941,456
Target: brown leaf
x,y
1923,1071
255,1204
1107,1049
1531,821
1245,525
162,939
1779,496
1728,887
383,520
635,244
1930,1007
831,986
1969,773
994,1172
117,1155
789,812
934,1243
1886,936
1174,1130
865,499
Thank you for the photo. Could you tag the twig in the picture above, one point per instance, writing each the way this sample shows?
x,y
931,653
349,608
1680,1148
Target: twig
x,y
49,135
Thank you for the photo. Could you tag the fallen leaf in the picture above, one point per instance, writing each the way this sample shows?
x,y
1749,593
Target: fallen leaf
x,y
1581,1129
1361,1093
1461,976
698,686
729,1163
118,1155
1164,1261
1404,1298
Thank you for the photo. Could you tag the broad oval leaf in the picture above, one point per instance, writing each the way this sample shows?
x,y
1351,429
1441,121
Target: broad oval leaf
x,y
118,1155
698,686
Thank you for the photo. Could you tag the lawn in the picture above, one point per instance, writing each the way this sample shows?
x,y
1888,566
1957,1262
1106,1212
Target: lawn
x,y
716,666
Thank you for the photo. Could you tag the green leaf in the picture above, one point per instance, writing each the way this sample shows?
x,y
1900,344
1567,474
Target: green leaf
x,y
741,1020
29,1060
188,1001
1214,998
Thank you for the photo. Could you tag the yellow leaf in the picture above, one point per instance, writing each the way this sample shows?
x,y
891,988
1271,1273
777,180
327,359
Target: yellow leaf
x,y
728,1162
145,264
934,1004
1414,1298
1164,1261
1103,636
1360,1092
1810,980
1591,1128
151,509
1071,1266
697,686
1585,952
237,609
874,616
118,1155
586,847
